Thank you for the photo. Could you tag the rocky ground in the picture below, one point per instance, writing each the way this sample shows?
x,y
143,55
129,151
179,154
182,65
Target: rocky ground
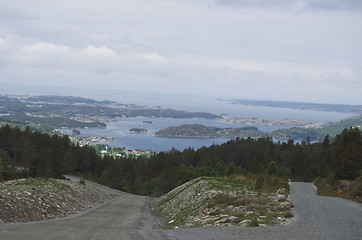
x,y
222,202
35,199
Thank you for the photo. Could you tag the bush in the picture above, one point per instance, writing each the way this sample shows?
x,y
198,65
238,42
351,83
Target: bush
x,y
273,169
81,181
288,214
254,223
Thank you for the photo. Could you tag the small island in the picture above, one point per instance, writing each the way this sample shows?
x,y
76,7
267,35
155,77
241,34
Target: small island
x,y
138,130
75,132
201,131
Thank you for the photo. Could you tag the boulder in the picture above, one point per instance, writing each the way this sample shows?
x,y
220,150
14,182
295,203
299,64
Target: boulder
x,y
281,191
244,223
285,205
215,212
233,219
281,198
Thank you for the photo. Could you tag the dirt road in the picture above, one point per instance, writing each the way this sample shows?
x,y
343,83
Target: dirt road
x,y
129,217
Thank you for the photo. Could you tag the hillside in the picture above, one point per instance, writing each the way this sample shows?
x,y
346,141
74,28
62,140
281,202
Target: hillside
x,y
35,199
201,131
232,201
77,112
315,133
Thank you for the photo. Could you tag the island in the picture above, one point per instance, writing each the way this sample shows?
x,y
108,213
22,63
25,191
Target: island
x,y
319,130
201,131
75,132
266,121
55,112
138,130
357,109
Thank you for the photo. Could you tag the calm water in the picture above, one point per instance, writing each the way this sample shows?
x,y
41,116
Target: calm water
x,y
119,129
122,137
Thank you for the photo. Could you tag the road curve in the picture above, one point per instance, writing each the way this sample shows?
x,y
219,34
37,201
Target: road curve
x,y
129,217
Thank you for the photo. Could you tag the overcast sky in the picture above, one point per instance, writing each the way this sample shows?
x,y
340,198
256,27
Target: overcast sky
x,y
299,50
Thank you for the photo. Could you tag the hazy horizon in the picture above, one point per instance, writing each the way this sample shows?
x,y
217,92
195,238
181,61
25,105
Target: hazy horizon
x,y
295,50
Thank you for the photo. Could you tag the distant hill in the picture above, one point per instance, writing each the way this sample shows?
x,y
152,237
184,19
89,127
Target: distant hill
x,y
331,129
313,133
201,131
357,109
77,112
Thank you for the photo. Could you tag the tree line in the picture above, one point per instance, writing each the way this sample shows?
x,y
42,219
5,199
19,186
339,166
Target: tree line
x,y
24,153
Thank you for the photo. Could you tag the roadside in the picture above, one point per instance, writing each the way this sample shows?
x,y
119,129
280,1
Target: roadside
x,y
37,199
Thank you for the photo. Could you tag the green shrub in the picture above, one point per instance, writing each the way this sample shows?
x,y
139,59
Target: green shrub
x,y
254,223
81,181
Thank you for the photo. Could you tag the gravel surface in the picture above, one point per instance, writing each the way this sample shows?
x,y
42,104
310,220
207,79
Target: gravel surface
x,y
316,217
128,217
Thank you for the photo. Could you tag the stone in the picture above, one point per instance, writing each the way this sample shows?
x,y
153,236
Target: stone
x,y
233,219
285,205
215,212
244,223
281,198
281,191
239,210
230,207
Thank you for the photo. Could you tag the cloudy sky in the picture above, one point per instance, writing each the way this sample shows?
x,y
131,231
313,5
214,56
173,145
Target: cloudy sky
x,y
299,50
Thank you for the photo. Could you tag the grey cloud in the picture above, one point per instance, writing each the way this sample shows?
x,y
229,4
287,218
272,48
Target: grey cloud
x,y
250,47
354,5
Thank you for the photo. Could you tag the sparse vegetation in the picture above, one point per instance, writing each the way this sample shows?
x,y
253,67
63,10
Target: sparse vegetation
x,y
348,189
81,181
224,201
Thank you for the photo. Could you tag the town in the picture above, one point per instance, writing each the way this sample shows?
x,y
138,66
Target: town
x,y
103,149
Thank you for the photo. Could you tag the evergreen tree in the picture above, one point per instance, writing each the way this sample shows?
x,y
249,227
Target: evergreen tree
x,y
273,169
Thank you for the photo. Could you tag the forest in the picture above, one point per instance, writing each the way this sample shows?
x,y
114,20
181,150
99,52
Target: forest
x,y
26,153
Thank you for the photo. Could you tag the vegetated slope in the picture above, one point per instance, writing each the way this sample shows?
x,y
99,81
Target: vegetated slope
x,y
35,199
315,133
210,201
31,154
201,131
72,112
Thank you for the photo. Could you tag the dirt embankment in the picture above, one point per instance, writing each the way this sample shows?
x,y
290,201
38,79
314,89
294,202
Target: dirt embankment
x,y
30,199
208,201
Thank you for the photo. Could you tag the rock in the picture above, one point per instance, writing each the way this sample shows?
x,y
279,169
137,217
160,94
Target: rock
x,y
244,223
281,198
238,210
230,207
233,219
215,212
222,220
281,191
285,205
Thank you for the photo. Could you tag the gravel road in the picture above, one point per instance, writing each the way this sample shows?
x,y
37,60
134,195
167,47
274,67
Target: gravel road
x,y
128,217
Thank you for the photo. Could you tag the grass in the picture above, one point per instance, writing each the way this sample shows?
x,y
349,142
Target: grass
x,y
348,189
36,184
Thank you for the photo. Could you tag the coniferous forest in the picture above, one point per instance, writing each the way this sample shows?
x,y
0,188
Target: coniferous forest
x,y
24,153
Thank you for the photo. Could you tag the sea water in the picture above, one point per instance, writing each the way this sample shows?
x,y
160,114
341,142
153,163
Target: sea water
x,y
119,128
